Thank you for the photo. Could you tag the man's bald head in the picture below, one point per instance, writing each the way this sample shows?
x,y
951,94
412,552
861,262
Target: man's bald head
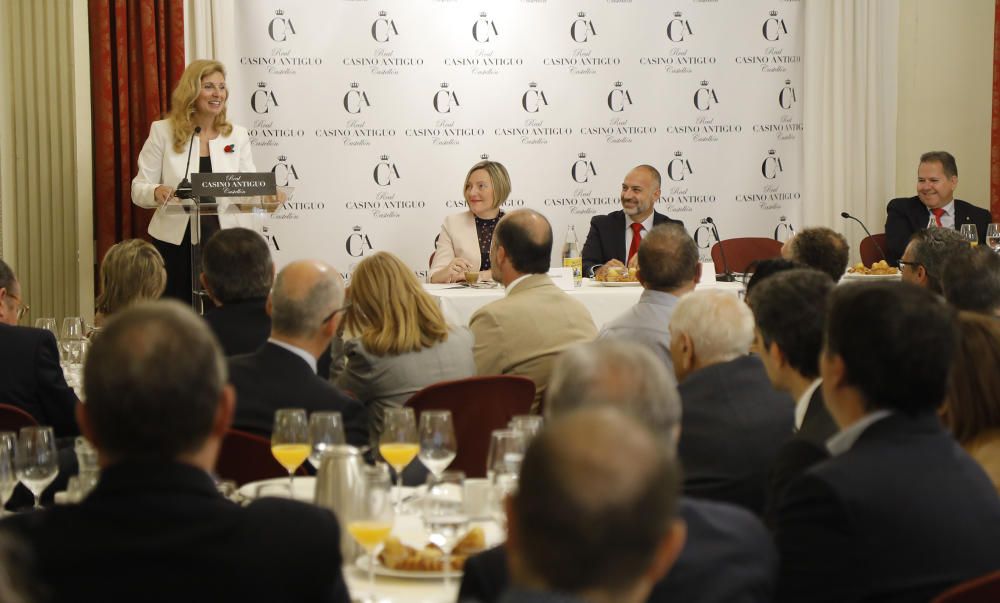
x,y
596,498
305,293
526,237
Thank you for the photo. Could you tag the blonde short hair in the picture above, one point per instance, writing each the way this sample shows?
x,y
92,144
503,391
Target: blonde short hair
x,y
390,312
719,324
182,102
498,176
132,271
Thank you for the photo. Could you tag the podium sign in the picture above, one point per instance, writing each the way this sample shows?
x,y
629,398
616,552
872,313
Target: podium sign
x,y
233,184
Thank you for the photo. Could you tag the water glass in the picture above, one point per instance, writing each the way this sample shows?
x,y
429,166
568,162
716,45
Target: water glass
x,y
49,324
970,234
505,453
529,425
8,472
444,514
72,330
326,429
36,460
438,446
993,237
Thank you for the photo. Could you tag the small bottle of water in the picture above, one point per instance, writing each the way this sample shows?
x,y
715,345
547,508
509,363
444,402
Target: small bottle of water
x,y
571,255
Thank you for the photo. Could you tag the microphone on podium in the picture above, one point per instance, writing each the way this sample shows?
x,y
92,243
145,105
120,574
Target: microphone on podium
x,y
728,275
184,188
848,216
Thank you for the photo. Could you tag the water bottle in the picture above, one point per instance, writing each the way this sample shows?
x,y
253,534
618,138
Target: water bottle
x,y
571,255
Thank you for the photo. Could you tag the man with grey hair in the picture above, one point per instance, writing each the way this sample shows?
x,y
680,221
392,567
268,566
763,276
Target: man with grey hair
x,y
306,307
668,268
156,527
734,420
722,539
924,258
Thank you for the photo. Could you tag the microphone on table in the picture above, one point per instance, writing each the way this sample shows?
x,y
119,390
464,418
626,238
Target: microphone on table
x,y
848,216
728,276
183,190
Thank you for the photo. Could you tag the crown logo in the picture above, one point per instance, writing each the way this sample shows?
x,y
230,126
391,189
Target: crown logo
x,y
774,13
678,153
356,229
384,158
582,155
704,82
483,14
354,84
262,84
533,85
279,12
484,156
677,13
444,84
282,157
581,14
788,82
784,219
771,152
382,13
618,84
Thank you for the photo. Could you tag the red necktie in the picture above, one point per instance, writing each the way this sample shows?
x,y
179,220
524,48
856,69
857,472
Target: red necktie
x,y
938,212
636,239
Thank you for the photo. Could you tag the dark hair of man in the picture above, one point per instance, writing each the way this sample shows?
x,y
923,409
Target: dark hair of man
x,y
823,249
758,270
6,276
237,265
528,253
896,341
971,281
789,309
655,173
576,539
973,407
668,257
152,382
946,159
934,246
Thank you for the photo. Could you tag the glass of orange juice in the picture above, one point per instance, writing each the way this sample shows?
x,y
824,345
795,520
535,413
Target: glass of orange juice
x,y
370,519
398,443
290,441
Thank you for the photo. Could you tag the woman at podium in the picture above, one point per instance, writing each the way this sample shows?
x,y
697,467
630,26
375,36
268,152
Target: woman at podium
x,y
196,121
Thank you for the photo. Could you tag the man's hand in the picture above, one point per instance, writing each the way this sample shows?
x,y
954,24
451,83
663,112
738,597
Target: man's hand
x,y
602,273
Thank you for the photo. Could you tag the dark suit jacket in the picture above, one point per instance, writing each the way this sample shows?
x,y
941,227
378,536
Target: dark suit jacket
x,y
728,558
907,215
606,238
32,380
901,516
273,378
161,532
732,426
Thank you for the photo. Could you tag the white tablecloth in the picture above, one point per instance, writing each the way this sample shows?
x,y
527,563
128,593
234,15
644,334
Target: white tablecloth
x,y
605,303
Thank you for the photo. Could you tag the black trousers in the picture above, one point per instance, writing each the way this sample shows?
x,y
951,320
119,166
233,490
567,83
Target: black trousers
x,y
177,259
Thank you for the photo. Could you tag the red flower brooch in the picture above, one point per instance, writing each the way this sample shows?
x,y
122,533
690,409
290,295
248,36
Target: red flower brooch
x,y
230,148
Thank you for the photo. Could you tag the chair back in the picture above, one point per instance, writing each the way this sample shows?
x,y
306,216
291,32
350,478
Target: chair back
x,y
246,457
870,248
742,251
13,418
985,589
478,405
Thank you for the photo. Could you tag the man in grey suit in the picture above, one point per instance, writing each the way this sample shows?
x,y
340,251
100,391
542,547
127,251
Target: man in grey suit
x,y
668,268
522,333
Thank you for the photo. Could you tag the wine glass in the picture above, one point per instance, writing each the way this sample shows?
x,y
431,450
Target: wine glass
x,y
72,330
326,429
8,473
36,460
49,324
370,517
437,440
290,441
529,425
444,513
398,443
993,237
505,453
970,234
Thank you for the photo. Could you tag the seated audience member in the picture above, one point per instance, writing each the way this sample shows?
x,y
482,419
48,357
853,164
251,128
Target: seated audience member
x,y
758,270
306,306
668,268
155,528
614,239
396,340
789,309
237,273
132,271
31,377
522,333
734,422
901,512
934,205
923,261
721,538
594,517
971,281
821,248
972,407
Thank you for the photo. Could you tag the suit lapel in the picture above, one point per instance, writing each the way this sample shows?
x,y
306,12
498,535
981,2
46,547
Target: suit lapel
x,y
617,236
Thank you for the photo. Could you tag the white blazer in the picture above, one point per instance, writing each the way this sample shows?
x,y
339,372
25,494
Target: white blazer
x,y
160,164
458,239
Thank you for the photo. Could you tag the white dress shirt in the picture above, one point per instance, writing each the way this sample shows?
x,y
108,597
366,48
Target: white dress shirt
x,y
947,218
842,442
802,406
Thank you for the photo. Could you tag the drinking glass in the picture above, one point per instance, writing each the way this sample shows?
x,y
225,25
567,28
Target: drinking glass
x,y
993,237
72,330
437,440
505,453
326,429
529,425
970,234
398,443
370,518
49,324
36,460
290,441
8,473
444,514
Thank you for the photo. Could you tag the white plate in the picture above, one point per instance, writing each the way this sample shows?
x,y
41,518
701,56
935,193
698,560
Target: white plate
x,y
305,488
618,284
381,570
853,276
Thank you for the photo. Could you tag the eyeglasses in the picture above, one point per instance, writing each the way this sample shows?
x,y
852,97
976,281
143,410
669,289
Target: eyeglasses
x,y
334,313
911,264
22,308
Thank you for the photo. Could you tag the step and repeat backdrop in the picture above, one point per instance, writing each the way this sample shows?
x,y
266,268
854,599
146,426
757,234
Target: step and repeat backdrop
x,y
375,110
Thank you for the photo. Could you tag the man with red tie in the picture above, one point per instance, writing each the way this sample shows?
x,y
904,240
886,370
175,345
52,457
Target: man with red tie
x,y
614,238
934,205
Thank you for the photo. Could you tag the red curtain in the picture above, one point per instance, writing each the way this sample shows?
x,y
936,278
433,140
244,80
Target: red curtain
x,y
136,59
995,133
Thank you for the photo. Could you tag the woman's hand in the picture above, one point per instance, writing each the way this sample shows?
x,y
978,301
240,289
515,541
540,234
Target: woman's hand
x,y
457,268
162,194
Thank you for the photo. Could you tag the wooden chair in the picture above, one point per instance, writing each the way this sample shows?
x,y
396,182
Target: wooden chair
x,y
741,251
985,589
478,405
246,457
870,248
13,418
